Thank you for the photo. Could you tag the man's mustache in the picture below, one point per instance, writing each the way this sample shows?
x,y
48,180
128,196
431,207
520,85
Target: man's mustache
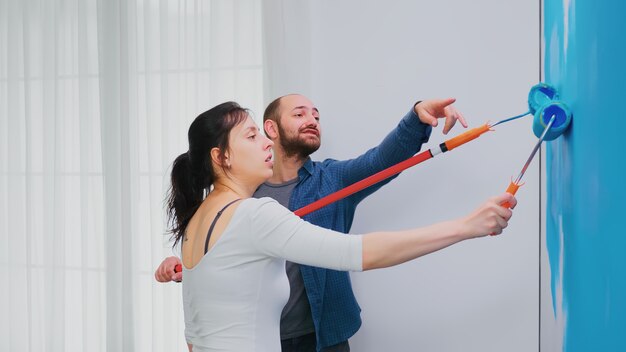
x,y
310,129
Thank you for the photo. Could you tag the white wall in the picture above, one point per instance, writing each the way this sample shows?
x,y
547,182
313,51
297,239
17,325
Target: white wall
x,y
369,61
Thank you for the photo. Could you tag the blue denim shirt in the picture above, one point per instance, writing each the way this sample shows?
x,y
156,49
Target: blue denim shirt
x,y
336,313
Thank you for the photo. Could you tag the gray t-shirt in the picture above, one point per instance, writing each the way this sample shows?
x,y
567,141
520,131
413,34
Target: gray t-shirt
x,y
295,319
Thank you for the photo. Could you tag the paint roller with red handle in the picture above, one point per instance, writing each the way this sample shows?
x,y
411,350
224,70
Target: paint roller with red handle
x,y
541,103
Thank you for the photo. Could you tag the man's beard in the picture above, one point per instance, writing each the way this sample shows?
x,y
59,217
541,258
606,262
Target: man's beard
x,y
294,146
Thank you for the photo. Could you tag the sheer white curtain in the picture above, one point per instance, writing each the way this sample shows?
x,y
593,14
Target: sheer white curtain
x,y
287,43
95,100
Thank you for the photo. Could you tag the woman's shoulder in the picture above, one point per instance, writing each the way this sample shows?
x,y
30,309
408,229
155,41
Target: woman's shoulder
x,y
261,200
263,203
264,207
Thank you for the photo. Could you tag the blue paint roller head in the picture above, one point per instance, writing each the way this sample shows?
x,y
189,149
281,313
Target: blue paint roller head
x,y
563,117
540,95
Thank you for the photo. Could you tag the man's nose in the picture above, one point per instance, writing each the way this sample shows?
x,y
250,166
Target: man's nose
x,y
312,120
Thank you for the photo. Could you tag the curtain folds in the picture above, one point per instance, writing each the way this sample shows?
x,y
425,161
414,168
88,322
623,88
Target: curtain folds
x,y
95,100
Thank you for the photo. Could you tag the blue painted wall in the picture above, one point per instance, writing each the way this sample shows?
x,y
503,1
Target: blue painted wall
x,y
585,58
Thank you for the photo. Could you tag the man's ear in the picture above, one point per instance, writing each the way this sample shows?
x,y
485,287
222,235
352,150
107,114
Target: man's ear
x,y
271,129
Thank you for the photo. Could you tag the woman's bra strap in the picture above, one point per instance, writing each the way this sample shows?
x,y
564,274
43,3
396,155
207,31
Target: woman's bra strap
x,y
219,213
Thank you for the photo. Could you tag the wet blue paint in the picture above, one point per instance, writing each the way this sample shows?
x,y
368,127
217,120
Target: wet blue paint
x,y
585,59
540,95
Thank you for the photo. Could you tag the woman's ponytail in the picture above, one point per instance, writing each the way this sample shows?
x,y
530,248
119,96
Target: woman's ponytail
x,y
184,196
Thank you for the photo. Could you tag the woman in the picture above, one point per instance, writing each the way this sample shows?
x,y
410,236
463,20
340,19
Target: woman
x,y
234,247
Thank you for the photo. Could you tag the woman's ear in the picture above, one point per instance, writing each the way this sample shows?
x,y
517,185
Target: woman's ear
x,y
271,129
218,160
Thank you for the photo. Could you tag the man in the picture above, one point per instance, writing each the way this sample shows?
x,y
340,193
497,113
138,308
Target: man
x,y
322,312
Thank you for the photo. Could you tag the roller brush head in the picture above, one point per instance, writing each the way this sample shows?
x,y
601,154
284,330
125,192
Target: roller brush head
x,y
541,94
563,117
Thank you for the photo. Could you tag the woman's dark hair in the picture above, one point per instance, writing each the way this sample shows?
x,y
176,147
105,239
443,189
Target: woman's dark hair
x,y
192,171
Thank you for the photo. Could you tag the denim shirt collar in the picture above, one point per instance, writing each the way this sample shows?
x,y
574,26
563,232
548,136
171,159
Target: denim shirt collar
x,y
306,169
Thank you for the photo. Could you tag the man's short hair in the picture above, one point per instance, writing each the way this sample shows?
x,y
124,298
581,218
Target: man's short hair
x,y
272,112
